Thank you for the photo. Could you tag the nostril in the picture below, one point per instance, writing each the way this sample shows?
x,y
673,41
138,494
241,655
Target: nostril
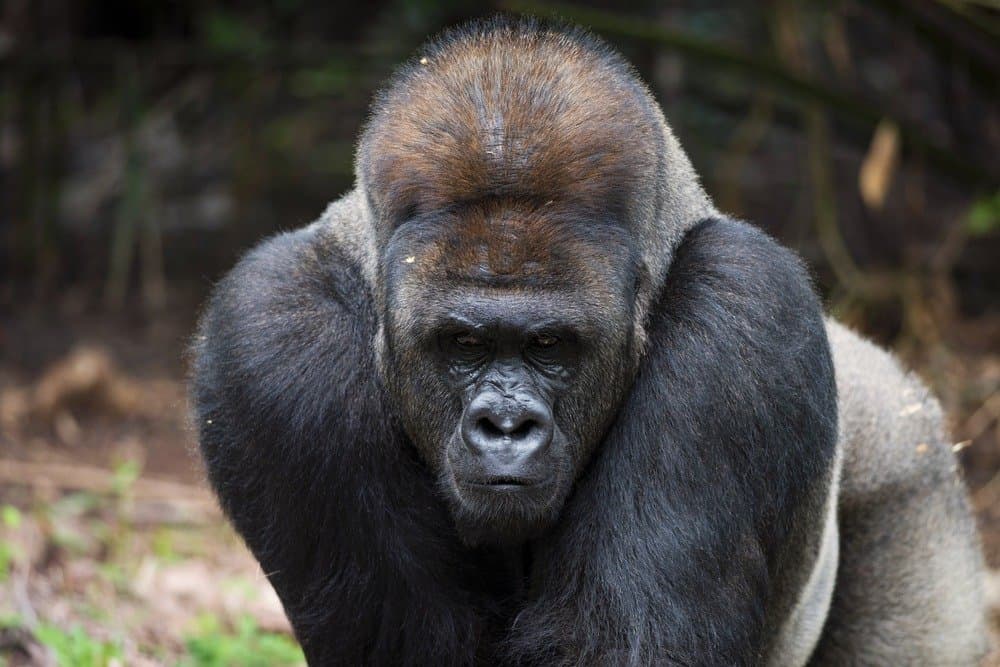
x,y
516,431
523,429
488,428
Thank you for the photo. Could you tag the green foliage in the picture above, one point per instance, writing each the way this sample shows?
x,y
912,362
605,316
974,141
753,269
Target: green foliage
x,y
211,646
125,475
163,546
6,557
11,621
330,79
10,516
75,505
984,216
67,530
116,574
228,33
75,648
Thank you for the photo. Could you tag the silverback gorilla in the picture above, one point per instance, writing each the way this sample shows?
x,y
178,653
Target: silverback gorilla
x,y
525,397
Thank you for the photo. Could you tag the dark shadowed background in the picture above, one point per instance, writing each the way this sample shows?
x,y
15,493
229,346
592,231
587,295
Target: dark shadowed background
x,y
144,146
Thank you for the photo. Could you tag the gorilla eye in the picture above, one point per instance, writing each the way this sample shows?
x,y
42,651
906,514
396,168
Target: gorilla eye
x,y
545,340
469,341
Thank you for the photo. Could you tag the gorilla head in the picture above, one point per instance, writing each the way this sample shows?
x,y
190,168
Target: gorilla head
x,y
523,215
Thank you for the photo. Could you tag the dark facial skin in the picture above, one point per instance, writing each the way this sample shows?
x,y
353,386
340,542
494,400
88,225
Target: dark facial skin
x,y
508,370
505,381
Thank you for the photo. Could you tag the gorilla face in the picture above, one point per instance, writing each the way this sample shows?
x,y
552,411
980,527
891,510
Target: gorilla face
x,y
506,374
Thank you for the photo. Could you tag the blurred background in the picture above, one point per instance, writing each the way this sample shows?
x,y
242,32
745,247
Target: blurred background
x,y
144,146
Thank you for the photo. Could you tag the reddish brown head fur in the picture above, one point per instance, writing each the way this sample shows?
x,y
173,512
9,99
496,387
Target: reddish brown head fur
x,y
551,119
505,242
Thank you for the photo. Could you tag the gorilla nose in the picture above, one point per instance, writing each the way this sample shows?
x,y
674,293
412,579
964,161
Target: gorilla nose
x,y
508,431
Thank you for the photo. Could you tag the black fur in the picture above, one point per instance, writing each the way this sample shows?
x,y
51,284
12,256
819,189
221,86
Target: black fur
x,y
666,552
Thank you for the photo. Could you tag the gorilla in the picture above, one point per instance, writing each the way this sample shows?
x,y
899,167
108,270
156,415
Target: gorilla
x,y
525,397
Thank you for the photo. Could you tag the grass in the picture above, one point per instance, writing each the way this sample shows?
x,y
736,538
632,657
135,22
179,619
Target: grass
x,y
209,644
212,646
75,648
120,589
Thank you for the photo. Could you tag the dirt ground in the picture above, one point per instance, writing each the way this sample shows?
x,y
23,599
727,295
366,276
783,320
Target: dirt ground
x,y
113,550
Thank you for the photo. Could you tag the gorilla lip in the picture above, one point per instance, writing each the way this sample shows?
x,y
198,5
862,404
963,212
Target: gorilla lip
x,y
505,488
504,483
535,493
484,482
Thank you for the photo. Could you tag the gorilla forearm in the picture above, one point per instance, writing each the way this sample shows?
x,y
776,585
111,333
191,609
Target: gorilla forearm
x,y
737,389
311,468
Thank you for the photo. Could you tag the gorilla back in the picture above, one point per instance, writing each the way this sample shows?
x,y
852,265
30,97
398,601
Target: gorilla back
x,y
525,397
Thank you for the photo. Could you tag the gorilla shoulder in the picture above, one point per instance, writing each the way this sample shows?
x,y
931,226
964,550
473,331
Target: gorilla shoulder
x,y
279,342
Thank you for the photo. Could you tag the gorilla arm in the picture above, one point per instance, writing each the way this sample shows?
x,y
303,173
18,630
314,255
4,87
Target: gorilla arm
x,y
695,528
312,468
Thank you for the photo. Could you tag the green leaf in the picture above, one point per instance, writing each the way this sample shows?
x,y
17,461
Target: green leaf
x,y
125,475
10,516
984,216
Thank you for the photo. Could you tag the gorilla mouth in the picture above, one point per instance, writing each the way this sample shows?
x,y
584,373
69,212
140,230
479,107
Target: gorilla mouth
x,y
501,482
